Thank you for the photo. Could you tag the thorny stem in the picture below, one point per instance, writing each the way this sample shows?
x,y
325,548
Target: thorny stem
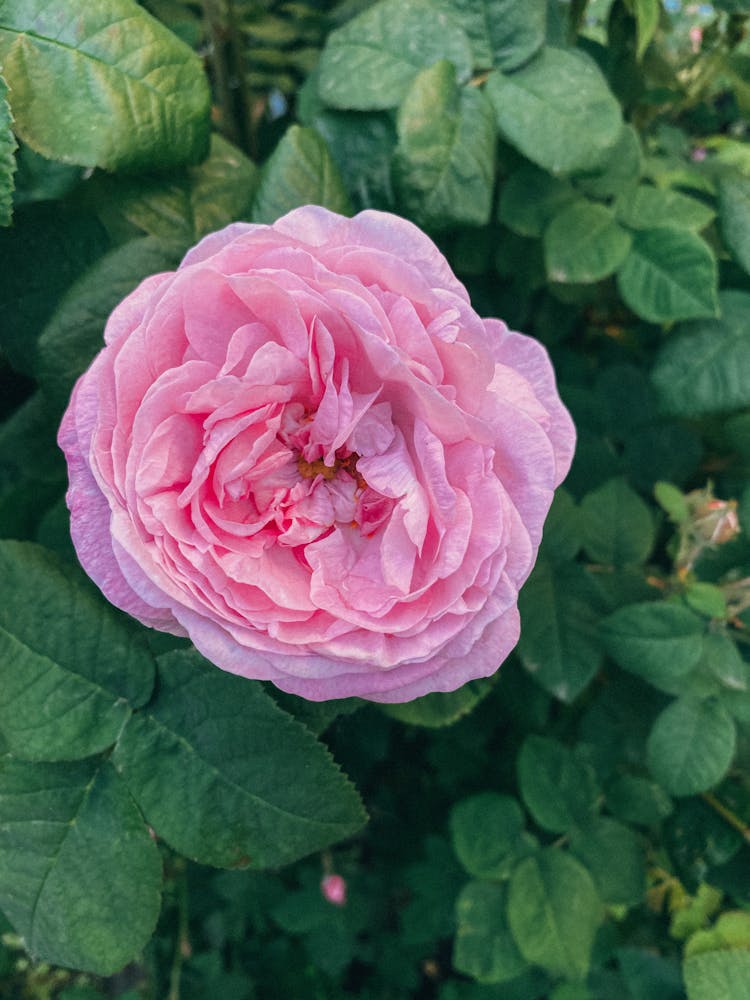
x,y
727,815
182,944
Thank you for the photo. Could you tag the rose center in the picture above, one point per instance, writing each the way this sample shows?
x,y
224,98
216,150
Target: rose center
x,y
309,470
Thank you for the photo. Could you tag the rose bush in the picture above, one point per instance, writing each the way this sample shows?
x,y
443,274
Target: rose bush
x,y
305,451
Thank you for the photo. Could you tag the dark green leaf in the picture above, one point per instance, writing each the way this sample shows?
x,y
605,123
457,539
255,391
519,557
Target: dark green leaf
x,y
110,87
75,334
444,165
486,831
562,529
559,642
660,642
440,709
669,274
80,876
71,669
227,777
559,790
617,528
619,169
299,172
530,197
484,947
615,858
557,110
647,207
366,66
637,800
583,244
554,911
705,366
7,160
362,146
691,746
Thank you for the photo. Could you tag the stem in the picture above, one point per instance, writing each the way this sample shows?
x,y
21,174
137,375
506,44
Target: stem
x,y
182,944
217,34
726,814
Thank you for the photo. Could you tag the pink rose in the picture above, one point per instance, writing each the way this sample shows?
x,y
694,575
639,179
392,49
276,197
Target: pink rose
x,y
305,451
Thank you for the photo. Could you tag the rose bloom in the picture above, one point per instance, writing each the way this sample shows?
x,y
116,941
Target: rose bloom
x,y
305,451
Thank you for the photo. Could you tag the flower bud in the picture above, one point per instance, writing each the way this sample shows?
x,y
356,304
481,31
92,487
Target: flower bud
x,y
333,888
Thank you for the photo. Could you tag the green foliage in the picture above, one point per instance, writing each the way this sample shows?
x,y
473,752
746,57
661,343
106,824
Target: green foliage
x,y
574,828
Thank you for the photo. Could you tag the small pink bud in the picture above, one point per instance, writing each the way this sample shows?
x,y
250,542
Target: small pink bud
x,y
333,888
699,154
696,37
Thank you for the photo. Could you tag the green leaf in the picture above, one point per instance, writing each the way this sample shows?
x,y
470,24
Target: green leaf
x,y
559,643
717,975
181,207
647,14
620,168
440,709
50,244
71,669
444,164
557,110
559,790
74,335
637,800
562,529
704,367
691,746
228,778
614,856
484,947
299,172
672,501
530,197
707,599
486,830
658,641
617,528
669,274
723,659
366,66
80,877
7,160
554,912
110,87
361,145
583,244
503,33
647,207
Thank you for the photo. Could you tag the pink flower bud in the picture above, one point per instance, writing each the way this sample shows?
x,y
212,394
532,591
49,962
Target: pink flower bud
x,y
696,38
333,888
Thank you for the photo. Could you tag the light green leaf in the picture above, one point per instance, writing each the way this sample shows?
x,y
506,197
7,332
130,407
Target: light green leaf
x,y
367,66
554,912
704,367
583,244
444,164
691,746
299,172
228,778
557,110
617,528
484,947
71,669
486,831
658,641
530,197
80,877
7,160
108,87
734,215
181,207
669,274
717,975
647,207
440,709
647,14
614,856
503,33
74,335
559,791
559,643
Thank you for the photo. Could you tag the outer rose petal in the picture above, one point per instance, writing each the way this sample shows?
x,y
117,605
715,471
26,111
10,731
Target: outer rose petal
x,y
305,451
